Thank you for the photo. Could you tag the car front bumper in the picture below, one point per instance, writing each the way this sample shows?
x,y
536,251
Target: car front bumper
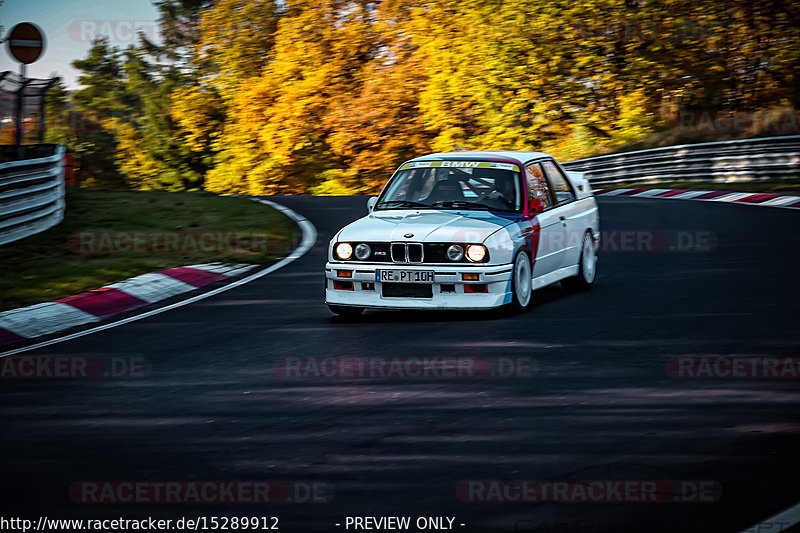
x,y
448,288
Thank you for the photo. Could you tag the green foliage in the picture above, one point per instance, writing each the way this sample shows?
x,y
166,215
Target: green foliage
x,y
58,116
103,96
152,153
126,132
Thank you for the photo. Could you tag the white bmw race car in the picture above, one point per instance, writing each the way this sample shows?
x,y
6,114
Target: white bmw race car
x,y
466,230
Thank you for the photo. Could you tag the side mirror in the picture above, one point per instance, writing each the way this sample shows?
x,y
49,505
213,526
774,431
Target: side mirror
x,y
371,203
535,206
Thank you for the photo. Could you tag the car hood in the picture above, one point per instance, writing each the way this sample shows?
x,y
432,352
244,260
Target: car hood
x,y
426,226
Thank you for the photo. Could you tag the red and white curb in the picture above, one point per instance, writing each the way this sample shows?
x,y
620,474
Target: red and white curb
x,y
47,318
745,198
92,306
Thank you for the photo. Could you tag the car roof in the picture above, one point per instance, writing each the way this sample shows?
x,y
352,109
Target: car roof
x,y
520,157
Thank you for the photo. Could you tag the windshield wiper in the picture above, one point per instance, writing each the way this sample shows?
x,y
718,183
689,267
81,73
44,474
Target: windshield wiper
x,y
402,203
461,204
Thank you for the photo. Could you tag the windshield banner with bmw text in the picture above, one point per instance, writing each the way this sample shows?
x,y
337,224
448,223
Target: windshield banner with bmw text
x,y
460,164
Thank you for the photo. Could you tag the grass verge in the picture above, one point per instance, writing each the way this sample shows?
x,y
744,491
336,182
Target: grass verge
x,y
108,236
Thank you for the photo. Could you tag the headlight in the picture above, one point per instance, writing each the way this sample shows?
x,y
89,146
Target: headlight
x,y
363,251
476,252
455,252
344,251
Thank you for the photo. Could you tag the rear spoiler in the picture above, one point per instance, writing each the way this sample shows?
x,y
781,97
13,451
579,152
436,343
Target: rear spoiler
x,y
582,186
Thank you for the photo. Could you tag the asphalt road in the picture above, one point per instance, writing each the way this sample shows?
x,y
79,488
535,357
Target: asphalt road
x,y
597,404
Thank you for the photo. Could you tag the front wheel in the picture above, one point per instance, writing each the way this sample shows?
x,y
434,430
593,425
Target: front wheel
x,y
587,266
522,282
345,311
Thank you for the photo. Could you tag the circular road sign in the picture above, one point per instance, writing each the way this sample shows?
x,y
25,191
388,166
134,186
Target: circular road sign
x,y
25,42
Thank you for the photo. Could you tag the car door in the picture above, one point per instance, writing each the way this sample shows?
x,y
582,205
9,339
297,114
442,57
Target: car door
x,y
568,210
552,228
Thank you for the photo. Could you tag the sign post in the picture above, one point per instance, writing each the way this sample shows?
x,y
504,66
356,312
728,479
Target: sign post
x,y
25,44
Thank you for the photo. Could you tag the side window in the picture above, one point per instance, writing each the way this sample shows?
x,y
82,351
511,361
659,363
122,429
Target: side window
x,y
537,185
559,182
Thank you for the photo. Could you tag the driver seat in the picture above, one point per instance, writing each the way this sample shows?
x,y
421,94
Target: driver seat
x,y
448,190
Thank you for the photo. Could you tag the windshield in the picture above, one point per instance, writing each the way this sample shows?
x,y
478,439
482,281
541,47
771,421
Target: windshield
x,y
481,185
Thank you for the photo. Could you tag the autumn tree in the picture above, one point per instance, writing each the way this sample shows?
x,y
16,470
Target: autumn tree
x,y
328,96
102,101
275,138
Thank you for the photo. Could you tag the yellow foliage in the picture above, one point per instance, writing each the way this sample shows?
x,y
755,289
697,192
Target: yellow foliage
x,y
200,114
337,182
329,96
134,163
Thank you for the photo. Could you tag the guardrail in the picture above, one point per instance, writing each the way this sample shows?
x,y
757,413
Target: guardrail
x,y
31,191
762,159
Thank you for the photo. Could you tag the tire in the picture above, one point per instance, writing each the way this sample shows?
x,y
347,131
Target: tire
x,y
587,267
345,311
521,282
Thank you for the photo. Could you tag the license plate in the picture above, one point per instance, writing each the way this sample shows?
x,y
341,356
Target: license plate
x,y
404,276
